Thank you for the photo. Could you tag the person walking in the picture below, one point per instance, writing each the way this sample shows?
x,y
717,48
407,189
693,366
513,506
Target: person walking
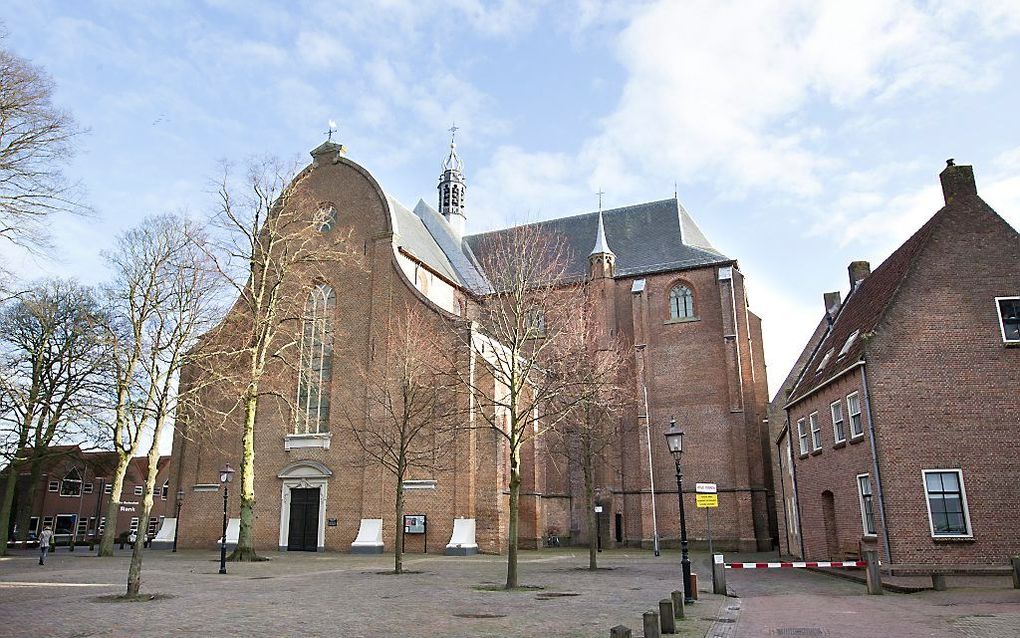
x,y
44,544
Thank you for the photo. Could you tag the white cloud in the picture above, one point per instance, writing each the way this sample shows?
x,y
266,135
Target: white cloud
x,y
322,49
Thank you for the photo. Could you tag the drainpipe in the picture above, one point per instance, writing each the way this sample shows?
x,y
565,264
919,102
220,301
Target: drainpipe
x,y
875,464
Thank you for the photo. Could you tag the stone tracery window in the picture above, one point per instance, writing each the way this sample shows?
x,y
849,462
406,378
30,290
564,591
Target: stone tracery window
x,y
681,302
316,367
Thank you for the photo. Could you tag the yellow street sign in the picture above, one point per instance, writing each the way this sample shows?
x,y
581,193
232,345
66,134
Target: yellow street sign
x,y
706,500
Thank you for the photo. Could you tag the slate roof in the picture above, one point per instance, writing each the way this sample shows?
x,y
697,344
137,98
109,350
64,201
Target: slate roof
x,y
861,312
646,238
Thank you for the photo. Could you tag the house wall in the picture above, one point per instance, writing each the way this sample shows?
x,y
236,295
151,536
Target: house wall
x,y
944,389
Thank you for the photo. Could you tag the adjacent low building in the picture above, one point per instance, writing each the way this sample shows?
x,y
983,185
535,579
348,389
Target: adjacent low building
x,y
72,494
899,430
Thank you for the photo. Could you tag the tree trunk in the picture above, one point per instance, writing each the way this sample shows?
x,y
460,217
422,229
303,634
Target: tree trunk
x,y
113,507
245,550
589,503
398,553
135,570
515,493
13,473
24,513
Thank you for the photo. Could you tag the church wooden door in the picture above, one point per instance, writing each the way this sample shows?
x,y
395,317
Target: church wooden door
x,y
304,520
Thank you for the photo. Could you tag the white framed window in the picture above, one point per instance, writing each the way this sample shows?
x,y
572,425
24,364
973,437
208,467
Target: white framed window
x,y
65,524
816,431
92,524
71,484
54,486
947,503
867,504
86,488
83,527
102,525
681,302
134,524
164,492
1009,318
47,521
802,434
33,524
838,426
153,525
534,322
108,488
316,368
825,361
849,342
853,409
139,489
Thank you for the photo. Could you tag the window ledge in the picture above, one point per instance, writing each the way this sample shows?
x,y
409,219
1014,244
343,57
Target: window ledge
x,y
299,441
839,444
681,320
1011,344
816,452
869,538
953,539
854,440
802,455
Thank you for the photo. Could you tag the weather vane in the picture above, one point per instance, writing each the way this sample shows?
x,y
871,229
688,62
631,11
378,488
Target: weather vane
x,y
332,129
453,131
600,194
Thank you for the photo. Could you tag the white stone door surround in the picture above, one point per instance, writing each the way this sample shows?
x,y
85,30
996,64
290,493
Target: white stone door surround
x,y
303,474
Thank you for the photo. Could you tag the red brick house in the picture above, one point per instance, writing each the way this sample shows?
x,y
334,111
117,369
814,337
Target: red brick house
x,y
679,303
900,428
74,490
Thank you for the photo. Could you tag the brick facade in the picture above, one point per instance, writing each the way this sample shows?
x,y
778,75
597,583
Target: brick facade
x,y
938,391
708,372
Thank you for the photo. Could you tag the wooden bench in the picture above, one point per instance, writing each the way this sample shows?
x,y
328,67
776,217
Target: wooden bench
x,y
938,573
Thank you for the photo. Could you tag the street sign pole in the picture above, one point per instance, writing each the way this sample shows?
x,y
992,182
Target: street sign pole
x,y
708,522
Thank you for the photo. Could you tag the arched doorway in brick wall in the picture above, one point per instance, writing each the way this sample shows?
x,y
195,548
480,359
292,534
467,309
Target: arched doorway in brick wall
x,y
829,520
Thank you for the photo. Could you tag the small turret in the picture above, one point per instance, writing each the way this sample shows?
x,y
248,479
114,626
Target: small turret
x,y
453,188
601,260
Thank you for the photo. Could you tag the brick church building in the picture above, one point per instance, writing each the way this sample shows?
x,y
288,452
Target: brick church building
x,y
680,305
898,430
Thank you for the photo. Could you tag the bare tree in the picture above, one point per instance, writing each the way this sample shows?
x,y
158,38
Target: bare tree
x,y
36,142
410,421
53,357
599,396
524,334
141,259
186,305
274,244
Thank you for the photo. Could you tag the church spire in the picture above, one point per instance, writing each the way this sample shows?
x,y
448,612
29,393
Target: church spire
x,y
452,188
601,259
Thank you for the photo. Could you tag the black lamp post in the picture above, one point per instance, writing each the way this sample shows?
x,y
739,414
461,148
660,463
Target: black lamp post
x,y
675,441
177,525
226,476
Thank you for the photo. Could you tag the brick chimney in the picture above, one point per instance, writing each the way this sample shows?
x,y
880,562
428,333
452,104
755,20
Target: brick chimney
x,y
858,271
832,303
957,181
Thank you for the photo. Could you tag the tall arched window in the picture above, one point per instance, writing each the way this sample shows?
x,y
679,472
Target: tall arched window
x,y
681,302
316,362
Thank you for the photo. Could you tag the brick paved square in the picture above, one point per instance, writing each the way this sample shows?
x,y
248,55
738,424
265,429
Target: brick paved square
x,y
340,595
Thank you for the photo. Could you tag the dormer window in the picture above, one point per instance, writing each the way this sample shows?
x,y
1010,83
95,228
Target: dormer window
x,y
1009,318
681,302
825,361
849,342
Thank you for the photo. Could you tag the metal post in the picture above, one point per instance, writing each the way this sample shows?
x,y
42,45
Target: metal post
x,y
708,522
177,525
223,544
685,560
598,531
651,475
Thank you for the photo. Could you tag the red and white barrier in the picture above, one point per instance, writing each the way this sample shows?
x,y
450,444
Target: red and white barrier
x,y
810,563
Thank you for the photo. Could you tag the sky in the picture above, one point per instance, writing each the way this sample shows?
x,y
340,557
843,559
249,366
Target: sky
x,y
801,135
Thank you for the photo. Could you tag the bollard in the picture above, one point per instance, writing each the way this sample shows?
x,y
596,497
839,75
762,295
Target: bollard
x,y
874,577
694,587
619,631
678,604
1016,571
650,620
938,582
718,575
666,621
